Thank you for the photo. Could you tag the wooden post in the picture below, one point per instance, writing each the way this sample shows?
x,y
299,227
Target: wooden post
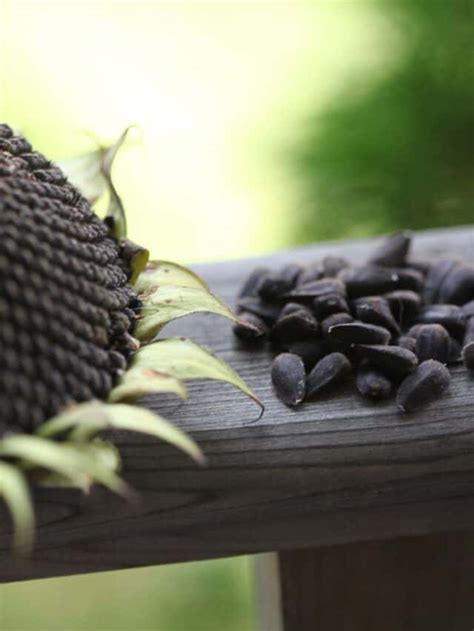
x,y
411,584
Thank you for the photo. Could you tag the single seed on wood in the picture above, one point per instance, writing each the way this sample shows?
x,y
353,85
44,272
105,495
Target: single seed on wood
x,y
268,311
328,371
368,281
274,286
426,384
310,351
293,327
435,277
289,378
372,383
432,342
318,288
405,341
332,265
393,252
250,328
468,309
457,287
450,316
468,345
393,361
404,305
376,310
324,306
313,271
250,287
332,320
359,333
291,307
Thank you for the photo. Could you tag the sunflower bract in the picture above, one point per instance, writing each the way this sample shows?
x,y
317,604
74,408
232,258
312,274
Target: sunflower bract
x,y
66,310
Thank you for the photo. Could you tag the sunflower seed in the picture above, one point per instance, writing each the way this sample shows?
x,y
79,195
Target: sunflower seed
x,y
450,316
293,327
333,319
250,328
324,306
426,384
332,265
376,310
407,342
468,345
393,252
457,287
393,361
291,307
250,287
318,288
404,305
468,309
310,351
414,330
289,378
359,333
455,351
435,277
432,342
372,383
368,281
274,286
310,273
268,311
328,371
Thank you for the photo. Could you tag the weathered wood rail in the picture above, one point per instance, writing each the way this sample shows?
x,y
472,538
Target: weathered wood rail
x,y
324,477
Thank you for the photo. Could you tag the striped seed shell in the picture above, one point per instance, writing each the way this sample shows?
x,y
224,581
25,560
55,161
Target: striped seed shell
x,y
432,342
393,252
427,383
289,378
359,333
394,361
372,383
450,316
293,327
328,372
376,310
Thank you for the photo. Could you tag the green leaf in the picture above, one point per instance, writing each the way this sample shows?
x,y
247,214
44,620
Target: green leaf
x,y
137,382
15,492
170,302
158,273
87,419
183,359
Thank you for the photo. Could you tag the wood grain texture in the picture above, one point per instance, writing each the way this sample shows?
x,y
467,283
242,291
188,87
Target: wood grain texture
x,y
334,471
414,584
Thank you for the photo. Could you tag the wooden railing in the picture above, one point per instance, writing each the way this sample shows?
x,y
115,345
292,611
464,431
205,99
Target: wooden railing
x,y
371,512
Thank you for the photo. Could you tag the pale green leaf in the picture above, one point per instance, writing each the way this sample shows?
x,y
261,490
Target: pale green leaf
x,y
169,302
183,359
85,172
137,382
15,493
158,273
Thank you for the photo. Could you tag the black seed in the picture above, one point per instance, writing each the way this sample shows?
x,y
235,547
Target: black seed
x,y
413,331
432,342
393,252
468,309
435,277
457,287
455,351
407,342
250,327
421,266
324,306
268,311
293,327
359,333
333,320
468,345
314,271
426,384
289,378
318,288
450,316
332,265
310,351
274,286
394,361
328,371
376,310
250,287
291,307
368,281
404,305
372,383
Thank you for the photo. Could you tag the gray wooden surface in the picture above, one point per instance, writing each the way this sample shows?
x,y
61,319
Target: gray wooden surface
x,y
335,471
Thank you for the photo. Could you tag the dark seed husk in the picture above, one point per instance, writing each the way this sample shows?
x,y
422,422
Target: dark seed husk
x,y
251,285
274,286
310,351
268,311
405,341
359,333
432,342
332,265
468,356
313,271
328,371
333,320
368,281
469,333
293,327
468,309
413,331
394,361
455,351
289,378
324,306
318,288
291,307
250,328
457,287
372,383
404,305
376,310
450,316
435,277
426,384
393,252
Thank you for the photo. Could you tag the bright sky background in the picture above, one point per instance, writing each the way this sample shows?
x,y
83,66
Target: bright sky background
x,y
219,89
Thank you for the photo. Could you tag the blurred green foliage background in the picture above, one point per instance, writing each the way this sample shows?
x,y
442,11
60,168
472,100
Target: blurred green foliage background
x,y
263,124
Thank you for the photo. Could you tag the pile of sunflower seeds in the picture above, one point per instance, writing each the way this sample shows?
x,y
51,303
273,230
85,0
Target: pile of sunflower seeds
x,y
394,323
